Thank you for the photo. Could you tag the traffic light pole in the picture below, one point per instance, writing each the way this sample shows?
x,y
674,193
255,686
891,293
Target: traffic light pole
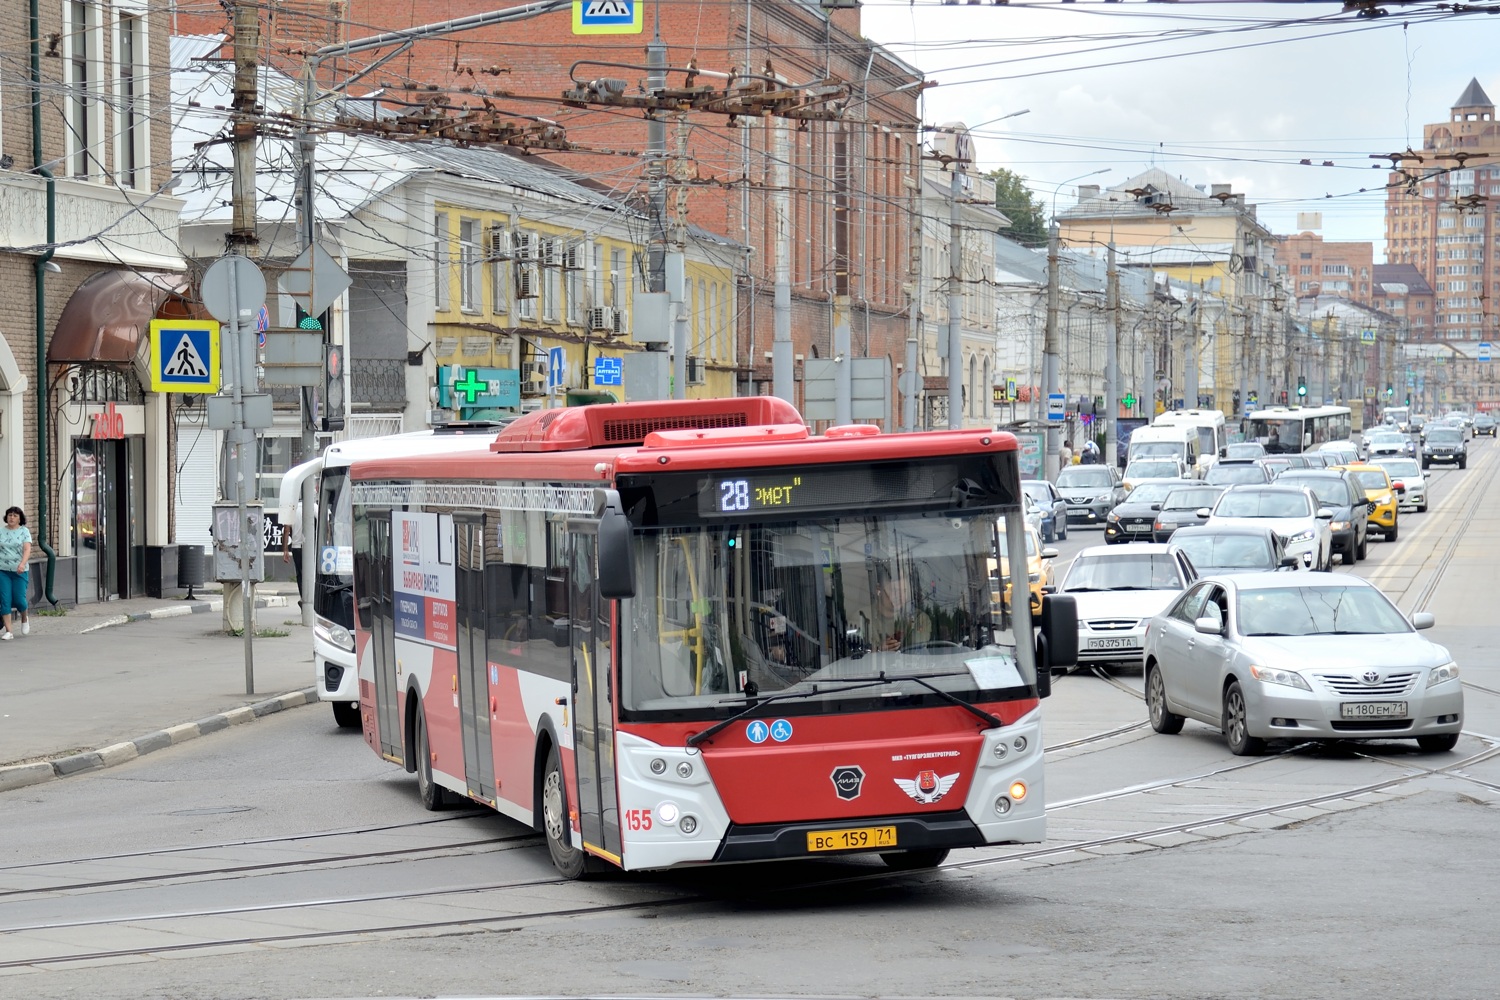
x,y
1111,356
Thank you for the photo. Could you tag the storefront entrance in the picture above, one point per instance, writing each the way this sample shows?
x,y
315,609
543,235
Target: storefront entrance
x,y
109,517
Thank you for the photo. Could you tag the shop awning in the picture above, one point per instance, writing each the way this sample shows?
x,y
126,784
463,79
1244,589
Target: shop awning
x,y
108,315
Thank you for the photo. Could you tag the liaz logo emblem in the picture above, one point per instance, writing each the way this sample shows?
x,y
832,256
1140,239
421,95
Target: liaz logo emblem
x,y
847,781
927,787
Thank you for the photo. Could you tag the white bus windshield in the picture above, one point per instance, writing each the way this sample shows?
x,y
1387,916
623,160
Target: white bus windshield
x,y
823,608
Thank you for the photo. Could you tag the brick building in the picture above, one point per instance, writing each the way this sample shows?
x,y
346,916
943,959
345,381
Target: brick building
x,y
1400,289
846,191
90,257
1312,267
1443,217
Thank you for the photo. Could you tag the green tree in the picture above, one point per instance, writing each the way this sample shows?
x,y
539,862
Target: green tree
x,y
1028,216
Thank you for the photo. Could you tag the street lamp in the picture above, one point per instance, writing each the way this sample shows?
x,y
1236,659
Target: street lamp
x,y
1070,180
1049,338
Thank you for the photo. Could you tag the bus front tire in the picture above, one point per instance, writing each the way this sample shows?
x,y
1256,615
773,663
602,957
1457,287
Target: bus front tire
x,y
910,861
434,797
346,714
567,859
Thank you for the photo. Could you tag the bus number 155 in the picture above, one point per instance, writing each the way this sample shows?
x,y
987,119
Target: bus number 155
x,y
638,819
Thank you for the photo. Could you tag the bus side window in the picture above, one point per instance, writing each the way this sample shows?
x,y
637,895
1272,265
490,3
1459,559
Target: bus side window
x,y
362,579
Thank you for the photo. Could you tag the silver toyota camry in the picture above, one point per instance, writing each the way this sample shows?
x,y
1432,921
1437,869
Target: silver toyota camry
x,y
1276,656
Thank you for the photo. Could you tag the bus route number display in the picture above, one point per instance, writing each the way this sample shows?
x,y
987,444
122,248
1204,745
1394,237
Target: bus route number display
x,y
742,495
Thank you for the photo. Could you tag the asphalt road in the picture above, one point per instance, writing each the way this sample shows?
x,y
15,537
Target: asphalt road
x,y
283,859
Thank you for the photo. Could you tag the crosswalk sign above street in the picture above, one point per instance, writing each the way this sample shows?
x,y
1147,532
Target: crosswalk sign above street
x,y
184,355
607,17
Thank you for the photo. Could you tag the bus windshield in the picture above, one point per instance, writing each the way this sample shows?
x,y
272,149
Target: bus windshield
x,y
333,596
819,611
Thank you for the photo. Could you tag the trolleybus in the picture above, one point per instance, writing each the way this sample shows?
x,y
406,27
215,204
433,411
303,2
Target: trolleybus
x,y
1291,430
331,538
676,633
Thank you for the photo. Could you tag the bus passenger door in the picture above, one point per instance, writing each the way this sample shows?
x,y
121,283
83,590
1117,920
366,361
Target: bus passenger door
x,y
383,635
593,710
473,662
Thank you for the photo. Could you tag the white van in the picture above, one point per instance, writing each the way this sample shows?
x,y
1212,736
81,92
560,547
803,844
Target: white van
x,y
1166,442
1207,424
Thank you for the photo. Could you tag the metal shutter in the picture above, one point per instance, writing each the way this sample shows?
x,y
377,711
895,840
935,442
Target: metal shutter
x,y
197,480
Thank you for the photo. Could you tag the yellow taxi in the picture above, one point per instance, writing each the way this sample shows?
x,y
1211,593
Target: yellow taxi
x,y
1038,567
1376,483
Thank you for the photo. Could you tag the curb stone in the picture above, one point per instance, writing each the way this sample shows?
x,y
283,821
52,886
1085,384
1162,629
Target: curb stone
x,y
178,610
21,775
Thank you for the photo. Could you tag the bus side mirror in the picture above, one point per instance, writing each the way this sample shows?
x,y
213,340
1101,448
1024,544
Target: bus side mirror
x,y
616,565
1057,642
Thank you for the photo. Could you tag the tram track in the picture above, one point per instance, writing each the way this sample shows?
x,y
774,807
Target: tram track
x,y
512,920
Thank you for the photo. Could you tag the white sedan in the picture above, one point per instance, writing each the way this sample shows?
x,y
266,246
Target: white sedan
x,y
1407,472
1117,589
1299,656
1290,511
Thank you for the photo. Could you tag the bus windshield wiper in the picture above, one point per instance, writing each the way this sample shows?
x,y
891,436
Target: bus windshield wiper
x,y
880,680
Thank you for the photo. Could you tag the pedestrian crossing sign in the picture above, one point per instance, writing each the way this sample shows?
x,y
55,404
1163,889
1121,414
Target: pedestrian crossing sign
x,y
607,17
184,355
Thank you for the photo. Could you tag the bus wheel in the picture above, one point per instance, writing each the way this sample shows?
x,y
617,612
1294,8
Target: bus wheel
x,y
346,714
910,861
432,795
568,859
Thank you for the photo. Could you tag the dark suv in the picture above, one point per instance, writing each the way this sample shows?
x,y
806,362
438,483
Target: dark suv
x,y
1091,491
1339,492
1446,444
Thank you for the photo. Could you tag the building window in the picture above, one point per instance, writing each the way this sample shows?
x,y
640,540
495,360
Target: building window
x,y
82,54
470,269
132,152
440,253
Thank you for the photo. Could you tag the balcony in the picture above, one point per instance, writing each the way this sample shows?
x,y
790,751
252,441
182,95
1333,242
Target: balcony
x,y
378,384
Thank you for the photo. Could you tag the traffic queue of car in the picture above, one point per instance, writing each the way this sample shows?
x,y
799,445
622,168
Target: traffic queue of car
x,y
1224,596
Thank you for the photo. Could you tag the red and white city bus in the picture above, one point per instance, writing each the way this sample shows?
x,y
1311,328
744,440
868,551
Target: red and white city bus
x,y
673,633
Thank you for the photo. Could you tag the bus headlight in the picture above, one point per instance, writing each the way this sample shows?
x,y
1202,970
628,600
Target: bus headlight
x,y
335,635
667,812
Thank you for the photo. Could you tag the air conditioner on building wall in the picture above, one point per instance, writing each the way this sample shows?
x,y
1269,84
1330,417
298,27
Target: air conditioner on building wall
x,y
573,257
497,243
533,378
602,320
528,284
523,246
697,370
550,253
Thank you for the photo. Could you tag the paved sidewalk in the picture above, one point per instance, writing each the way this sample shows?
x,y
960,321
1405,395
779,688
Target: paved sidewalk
x,y
105,683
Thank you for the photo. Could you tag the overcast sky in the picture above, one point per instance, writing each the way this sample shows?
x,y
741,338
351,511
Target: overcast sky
x,y
1267,85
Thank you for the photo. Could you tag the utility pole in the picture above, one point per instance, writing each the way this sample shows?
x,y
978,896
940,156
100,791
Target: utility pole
x,y
956,285
1049,354
782,362
1112,354
244,112
1194,344
912,390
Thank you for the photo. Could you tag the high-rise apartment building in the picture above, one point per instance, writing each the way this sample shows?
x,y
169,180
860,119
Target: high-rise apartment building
x,y
1441,217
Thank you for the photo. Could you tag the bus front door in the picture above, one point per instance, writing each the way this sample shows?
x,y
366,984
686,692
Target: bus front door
x,y
383,636
473,661
593,708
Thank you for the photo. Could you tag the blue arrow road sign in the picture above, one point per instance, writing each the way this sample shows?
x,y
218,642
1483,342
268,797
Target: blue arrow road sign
x,y
556,365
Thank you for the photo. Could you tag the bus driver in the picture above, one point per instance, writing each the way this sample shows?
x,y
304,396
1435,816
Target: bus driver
x,y
897,620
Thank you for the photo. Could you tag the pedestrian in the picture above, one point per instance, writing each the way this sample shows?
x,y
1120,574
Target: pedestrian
x,y
291,546
1065,455
15,551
